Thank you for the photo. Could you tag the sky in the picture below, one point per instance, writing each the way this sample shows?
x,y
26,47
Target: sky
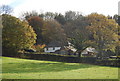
x,y
85,7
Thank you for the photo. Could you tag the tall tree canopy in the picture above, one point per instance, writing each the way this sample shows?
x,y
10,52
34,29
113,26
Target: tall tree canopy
x,y
49,16
60,18
104,32
53,31
72,15
16,34
37,24
27,15
76,32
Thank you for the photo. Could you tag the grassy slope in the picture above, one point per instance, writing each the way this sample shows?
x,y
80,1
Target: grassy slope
x,y
33,69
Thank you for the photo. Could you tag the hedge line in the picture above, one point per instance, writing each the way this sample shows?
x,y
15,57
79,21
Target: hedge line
x,y
69,59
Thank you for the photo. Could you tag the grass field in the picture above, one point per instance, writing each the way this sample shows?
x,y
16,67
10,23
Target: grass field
x,y
14,68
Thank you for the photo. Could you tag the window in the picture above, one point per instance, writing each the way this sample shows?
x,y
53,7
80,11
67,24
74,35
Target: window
x,y
53,48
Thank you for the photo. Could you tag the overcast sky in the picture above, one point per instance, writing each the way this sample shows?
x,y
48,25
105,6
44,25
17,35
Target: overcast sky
x,y
106,7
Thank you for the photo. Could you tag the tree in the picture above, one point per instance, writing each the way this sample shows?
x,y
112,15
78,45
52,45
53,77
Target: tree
x,y
118,20
37,23
77,33
72,15
49,16
53,31
27,15
5,9
16,35
1,34
117,51
104,32
116,17
60,18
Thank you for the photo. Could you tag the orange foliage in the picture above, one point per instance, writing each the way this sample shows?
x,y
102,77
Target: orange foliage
x,y
38,47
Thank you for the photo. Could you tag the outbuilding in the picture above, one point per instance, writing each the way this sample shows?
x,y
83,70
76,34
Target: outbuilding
x,y
89,52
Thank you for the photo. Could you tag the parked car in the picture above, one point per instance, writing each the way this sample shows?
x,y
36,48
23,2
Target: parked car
x,y
30,50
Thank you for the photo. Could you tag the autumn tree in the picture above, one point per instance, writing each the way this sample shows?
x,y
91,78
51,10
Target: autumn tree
x,y
117,19
5,9
53,31
117,51
37,24
16,35
104,32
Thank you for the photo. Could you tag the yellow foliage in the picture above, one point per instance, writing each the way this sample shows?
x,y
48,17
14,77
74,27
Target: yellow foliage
x,y
104,31
17,33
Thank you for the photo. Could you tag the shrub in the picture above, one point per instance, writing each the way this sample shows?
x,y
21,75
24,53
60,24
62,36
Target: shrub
x,y
39,48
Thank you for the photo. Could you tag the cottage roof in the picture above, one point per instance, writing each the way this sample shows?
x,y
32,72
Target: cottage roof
x,y
89,49
71,48
56,44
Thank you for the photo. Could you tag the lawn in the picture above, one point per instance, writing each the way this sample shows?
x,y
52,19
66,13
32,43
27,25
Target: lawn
x,y
14,68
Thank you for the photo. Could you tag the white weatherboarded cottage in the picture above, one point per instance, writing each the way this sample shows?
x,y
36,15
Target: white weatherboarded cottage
x,y
59,48
52,47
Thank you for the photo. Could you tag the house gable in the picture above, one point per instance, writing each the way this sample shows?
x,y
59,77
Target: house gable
x,y
89,51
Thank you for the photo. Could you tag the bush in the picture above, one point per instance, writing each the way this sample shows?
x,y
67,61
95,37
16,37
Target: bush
x,y
39,48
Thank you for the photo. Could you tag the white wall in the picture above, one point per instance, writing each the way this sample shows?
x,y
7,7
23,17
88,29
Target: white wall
x,y
50,49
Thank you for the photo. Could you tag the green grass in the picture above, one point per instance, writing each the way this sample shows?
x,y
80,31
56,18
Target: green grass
x,y
14,68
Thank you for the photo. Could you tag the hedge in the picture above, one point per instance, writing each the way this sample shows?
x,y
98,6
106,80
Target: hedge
x,y
70,59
